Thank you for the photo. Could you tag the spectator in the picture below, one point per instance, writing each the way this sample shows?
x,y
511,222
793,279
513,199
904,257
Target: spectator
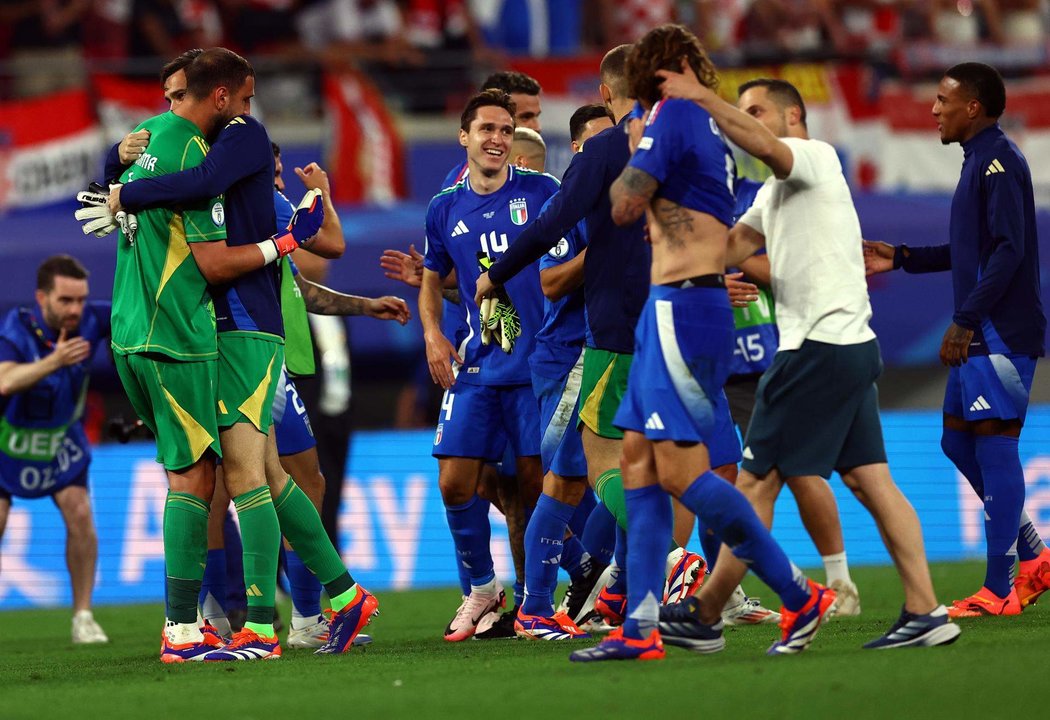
x,y
164,28
1015,22
863,25
363,30
790,26
256,26
954,23
45,44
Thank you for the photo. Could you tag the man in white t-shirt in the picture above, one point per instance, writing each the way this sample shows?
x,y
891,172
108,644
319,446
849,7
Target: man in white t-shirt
x,y
817,406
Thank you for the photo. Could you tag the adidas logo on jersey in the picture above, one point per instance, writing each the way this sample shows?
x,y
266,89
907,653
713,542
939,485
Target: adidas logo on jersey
x,y
461,227
980,404
654,422
748,455
995,167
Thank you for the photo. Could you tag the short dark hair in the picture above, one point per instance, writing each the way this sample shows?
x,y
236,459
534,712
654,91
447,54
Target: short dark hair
x,y
58,265
783,93
215,68
664,48
983,83
512,81
486,98
276,149
584,115
613,70
179,63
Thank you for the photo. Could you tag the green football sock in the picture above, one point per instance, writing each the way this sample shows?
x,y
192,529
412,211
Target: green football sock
x,y
609,488
261,537
185,553
301,524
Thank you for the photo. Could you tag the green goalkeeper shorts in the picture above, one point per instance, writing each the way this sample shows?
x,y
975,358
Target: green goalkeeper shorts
x,y
176,400
249,371
604,383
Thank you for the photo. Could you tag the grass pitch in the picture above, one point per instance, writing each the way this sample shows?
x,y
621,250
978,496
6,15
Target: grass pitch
x,y
994,670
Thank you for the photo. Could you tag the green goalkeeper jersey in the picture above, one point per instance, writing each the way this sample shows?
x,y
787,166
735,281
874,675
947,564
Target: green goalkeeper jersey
x,y
161,302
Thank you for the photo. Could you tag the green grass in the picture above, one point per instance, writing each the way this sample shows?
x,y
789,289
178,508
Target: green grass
x,y
995,669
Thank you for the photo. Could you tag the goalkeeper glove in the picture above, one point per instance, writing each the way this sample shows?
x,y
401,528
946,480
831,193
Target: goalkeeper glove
x,y
305,224
95,213
509,323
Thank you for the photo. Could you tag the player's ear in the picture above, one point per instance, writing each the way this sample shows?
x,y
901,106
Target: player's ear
x,y
41,297
606,94
463,137
575,147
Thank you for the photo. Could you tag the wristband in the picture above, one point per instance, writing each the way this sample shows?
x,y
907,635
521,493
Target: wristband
x,y
268,248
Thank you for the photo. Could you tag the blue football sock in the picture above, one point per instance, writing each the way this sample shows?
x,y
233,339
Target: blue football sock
x,y
619,585
1003,505
544,542
471,534
213,587
710,545
464,577
725,510
519,593
235,596
574,559
578,523
650,521
305,588
599,535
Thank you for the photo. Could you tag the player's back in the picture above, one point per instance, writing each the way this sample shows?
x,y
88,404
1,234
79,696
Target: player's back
x,y
683,150
161,302
616,274
251,303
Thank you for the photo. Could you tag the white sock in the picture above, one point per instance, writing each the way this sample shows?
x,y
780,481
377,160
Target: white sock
x,y
180,633
836,567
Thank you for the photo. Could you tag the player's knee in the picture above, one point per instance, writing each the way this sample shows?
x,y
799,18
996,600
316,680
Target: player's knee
x,y
455,491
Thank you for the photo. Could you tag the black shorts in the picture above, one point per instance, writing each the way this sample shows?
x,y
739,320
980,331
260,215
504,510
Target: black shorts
x,y
817,410
741,391
80,480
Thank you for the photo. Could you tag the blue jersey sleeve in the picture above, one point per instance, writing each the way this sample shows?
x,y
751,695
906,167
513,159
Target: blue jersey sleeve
x,y
580,187
934,258
113,168
9,351
436,257
103,312
1005,215
567,248
454,176
662,142
236,154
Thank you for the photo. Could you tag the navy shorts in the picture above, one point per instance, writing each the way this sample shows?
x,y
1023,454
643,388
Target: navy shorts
x,y
291,422
561,444
482,421
682,354
990,386
817,410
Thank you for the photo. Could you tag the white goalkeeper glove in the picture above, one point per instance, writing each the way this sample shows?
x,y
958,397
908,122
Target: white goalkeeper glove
x,y
95,213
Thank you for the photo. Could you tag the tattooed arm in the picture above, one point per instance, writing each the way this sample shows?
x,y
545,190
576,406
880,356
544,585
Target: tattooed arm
x,y
630,195
325,301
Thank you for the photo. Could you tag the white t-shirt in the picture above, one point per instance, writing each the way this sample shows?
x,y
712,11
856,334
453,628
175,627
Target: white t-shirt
x,y
815,253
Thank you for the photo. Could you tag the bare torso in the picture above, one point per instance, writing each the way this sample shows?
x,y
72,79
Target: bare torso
x,y
686,243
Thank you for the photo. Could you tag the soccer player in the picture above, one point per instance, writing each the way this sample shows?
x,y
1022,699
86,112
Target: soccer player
x,y
817,408
675,414
556,367
467,226
250,338
44,352
996,332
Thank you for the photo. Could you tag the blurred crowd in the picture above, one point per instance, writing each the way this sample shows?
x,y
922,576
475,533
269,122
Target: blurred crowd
x,y
45,43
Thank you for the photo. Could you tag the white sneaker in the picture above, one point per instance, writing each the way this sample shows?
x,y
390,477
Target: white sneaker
x,y
848,601
86,631
480,602
744,610
312,635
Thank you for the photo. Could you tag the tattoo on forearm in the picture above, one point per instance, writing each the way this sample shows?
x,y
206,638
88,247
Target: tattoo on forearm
x,y
633,190
322,301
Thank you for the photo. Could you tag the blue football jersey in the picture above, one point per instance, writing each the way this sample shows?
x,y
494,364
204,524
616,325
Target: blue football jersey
x,y
560,340
461,226
43,446
683,149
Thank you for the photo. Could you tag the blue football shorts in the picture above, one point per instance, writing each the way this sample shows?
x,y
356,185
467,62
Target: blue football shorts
x,y
484,421
561,444
291,422
990,386
682,355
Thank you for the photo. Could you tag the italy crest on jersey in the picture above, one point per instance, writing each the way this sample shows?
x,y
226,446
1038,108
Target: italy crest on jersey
x,y
519,211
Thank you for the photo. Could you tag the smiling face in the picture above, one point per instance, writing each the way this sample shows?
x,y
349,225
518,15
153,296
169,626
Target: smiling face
x,y
527,110
954,111
488,141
